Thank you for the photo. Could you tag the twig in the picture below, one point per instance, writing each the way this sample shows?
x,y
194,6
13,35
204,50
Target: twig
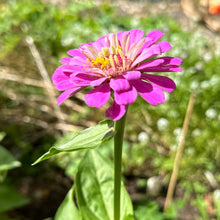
x,y
8,74
39,62
179,152
12,77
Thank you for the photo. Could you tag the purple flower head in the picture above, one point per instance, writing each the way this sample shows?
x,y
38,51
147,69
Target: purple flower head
x,y
119,63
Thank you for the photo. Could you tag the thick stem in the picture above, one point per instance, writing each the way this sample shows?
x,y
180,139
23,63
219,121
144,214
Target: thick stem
x,y
118,143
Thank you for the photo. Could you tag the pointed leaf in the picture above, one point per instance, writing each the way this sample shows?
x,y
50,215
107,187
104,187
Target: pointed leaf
x,y
87,139
2,135
7,161
68,209
94,189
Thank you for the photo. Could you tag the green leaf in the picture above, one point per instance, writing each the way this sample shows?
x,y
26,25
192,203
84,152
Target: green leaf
x,y
10,198
87,139
7,161
94,189
2,135
68,209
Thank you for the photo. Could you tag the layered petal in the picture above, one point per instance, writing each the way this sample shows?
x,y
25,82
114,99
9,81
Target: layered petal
x,y
147,53
64,84
126,97
171,60
76,52
162,82
135,35
132,75
152,37
119,84
164,46
68,93
98,81
61,80
155,35
101,42
150,93
82,79
115,111
78,61
170,68
162,61
65,60
98,96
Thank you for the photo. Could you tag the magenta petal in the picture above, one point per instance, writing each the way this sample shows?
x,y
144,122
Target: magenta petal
x,y
81,79
121,35
76,52
61,80
132,75
164,46
162,82
68,70
171,68
157,63
68,93
125,97
150,93
135,35
98,82
115,111
163,61
152,38
171,60
155,35
98,96
78,61
65,60
100,43
147,53
119,84
64,84
59,75
151,63
63,71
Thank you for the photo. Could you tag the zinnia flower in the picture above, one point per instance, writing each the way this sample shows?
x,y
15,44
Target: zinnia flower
x,y
120,63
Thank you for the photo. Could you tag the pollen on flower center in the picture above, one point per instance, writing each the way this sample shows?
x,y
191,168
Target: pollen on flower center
x,y
109,58
100,61
112,60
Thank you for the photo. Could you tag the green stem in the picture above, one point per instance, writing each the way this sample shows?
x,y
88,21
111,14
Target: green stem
x,y
118,143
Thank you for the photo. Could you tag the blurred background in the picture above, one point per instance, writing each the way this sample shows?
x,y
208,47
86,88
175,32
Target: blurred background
x,y
36,34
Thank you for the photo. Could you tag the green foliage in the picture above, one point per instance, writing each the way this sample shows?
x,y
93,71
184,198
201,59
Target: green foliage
x,y
7,161
68,209
200,204
217,204
10,198
94,191
151,211
87,139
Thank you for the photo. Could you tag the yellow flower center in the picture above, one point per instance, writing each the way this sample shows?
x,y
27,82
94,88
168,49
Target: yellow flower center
x,y
108,58
102,61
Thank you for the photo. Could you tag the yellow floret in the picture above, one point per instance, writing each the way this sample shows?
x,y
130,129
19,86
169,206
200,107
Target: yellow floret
x,y
100,61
